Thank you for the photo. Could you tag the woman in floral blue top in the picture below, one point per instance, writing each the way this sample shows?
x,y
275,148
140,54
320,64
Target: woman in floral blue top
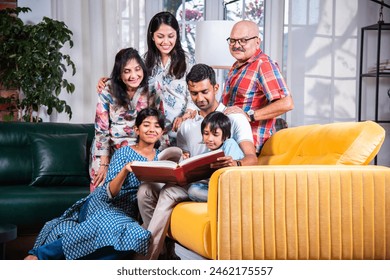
x,y
168,65
104,224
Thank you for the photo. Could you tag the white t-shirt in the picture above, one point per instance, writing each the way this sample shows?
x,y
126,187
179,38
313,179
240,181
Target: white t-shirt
x,y
189,135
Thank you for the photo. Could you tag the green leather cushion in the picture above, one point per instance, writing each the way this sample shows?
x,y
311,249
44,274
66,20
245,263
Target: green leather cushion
x,y
59,160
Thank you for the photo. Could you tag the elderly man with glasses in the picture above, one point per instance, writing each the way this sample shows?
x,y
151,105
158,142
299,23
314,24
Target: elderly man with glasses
x,y
254,86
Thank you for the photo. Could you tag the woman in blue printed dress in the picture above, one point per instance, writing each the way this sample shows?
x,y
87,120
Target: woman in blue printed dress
x,y
104,224
124,95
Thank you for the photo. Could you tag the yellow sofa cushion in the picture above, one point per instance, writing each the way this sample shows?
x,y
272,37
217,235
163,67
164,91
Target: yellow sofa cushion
x,y
190,224
282,146
336,143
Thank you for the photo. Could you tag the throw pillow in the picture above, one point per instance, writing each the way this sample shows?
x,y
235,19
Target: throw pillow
x,y
59,159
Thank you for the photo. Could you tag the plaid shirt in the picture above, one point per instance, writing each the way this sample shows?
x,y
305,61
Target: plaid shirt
x,y
254,85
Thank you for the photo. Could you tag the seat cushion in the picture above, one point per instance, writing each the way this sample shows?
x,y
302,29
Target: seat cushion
x,y
30,206
348,143
282,146
15,147
59,159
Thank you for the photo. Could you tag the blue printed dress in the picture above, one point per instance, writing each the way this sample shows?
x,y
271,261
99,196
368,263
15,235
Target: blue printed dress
x,y
99,221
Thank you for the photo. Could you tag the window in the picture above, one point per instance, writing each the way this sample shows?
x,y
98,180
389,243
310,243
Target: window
x,y
244,9
134,17
189,12
131,25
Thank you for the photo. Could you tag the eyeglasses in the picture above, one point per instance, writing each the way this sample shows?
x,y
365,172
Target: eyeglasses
x,y
242,41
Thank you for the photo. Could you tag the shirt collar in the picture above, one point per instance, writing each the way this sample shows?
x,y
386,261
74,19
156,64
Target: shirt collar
x,y
220,108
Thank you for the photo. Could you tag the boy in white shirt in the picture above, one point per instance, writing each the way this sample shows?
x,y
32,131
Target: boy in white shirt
x,y
216,133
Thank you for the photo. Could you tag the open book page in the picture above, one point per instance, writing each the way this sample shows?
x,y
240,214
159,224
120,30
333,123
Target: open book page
x,y
160,163
172,154
169,157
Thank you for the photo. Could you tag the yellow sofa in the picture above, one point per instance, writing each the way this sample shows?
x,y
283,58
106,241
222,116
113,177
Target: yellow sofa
x,y
312,196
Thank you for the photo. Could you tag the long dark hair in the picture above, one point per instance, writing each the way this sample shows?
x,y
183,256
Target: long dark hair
x,y
150,112
178,58
119,90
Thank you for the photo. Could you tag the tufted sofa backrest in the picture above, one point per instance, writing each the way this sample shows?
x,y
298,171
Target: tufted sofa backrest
x,y
15,148
349,143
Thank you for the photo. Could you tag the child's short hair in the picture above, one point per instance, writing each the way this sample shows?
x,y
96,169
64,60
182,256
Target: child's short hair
x,y
217,120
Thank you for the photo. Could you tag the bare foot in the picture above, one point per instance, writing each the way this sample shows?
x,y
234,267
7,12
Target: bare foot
x,y
31,258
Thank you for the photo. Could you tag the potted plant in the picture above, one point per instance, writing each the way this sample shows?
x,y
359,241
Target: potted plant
x,y
31,61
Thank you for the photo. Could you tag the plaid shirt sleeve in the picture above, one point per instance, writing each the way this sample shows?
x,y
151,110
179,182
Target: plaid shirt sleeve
x,y
272,81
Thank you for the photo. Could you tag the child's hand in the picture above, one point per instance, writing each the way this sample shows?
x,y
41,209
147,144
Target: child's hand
x,y
128,167
225,161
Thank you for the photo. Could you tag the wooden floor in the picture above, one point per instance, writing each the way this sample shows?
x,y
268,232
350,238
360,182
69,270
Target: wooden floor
x,y
18,249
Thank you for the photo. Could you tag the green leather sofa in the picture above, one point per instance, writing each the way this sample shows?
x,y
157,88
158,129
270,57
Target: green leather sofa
x,y
43,171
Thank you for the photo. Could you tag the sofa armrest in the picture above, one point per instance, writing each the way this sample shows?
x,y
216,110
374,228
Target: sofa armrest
x,y
300,212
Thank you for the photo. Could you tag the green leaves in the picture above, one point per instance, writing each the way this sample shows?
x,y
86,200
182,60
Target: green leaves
x,y
31,59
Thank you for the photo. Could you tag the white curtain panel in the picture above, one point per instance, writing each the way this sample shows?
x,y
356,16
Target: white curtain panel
x,y
97,36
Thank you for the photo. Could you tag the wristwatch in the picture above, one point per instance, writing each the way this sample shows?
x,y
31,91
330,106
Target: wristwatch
x,y
251,115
